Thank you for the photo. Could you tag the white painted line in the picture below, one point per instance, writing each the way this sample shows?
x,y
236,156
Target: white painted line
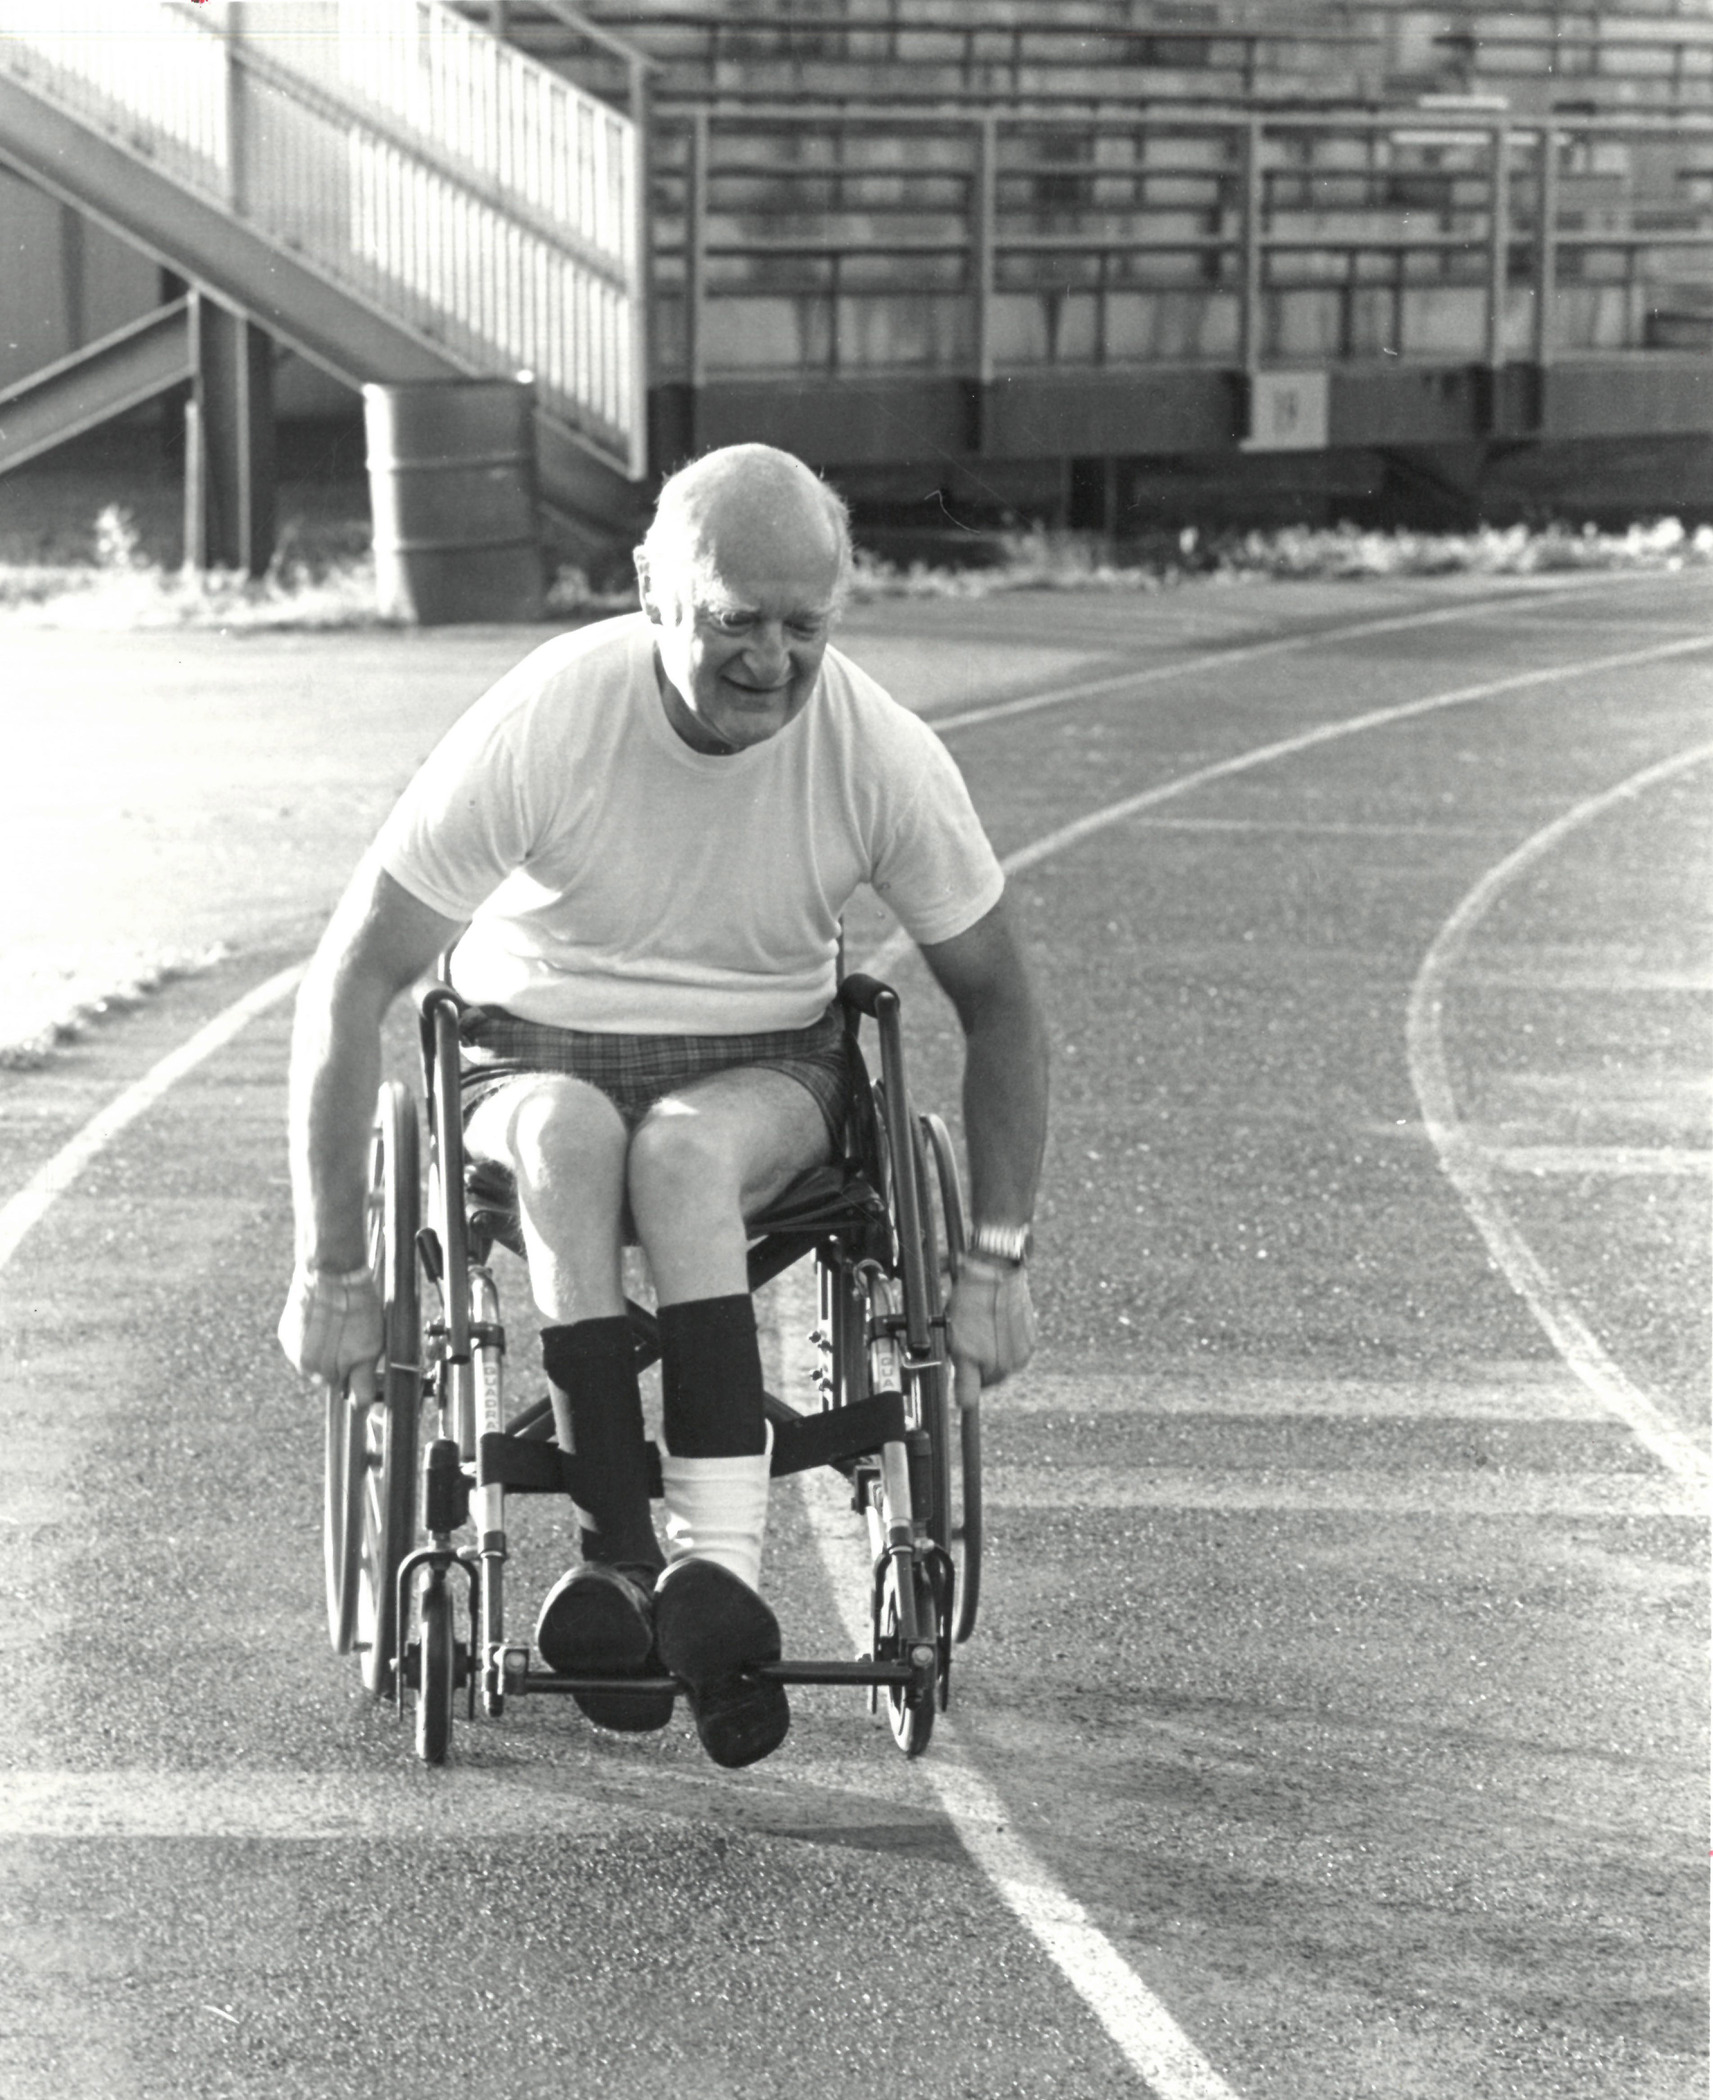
x,y
1670,1160
1568,1333
1294,827
550,1784
1471,1170
1415,1491
1152,2042
1278,645
899,943
452,1804
1215,1397
50,1181
1333,732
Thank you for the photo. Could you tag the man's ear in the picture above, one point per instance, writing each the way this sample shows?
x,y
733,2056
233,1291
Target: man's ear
x,y
644,588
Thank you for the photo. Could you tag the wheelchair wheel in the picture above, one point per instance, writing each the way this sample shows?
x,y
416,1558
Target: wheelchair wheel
x,y
369,1509
436,1670
957,1516
342,1513
910,1709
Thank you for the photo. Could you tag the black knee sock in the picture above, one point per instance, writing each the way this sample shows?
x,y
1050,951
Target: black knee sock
x,y
597,1414
710,1379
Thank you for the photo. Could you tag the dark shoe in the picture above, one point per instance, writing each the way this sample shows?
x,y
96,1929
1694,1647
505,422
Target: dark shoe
x,y
709,1626
598,1622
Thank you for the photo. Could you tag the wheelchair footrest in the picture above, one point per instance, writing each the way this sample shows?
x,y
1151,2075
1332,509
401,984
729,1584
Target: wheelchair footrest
x,y
860,1672
835,1435
546,1681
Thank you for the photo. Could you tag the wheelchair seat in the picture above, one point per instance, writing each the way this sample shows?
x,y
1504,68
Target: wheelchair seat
x,y
827,1199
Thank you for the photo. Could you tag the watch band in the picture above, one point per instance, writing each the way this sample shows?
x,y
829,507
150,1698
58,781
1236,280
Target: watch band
x,y
1001,1242
347,1277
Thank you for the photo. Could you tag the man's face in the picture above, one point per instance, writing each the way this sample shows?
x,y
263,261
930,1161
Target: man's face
x,y
741,647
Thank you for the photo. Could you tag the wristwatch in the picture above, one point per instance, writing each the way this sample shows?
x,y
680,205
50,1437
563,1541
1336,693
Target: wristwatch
x,y
1001,1243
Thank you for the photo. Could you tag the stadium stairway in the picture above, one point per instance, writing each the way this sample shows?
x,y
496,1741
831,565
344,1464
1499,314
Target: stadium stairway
x,y
394,212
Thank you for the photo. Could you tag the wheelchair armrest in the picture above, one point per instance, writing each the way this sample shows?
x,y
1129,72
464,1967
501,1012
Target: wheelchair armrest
x,y
433,992
867,995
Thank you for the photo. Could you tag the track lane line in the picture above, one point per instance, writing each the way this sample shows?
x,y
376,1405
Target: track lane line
x,y
1276,645
1139,2024
1470,1166
51,1180
898,943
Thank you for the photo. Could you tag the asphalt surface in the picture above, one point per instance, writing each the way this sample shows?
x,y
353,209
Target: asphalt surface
x,y
1343,1648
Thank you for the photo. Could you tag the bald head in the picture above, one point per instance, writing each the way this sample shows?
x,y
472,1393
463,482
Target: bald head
x,y
748,507
741,574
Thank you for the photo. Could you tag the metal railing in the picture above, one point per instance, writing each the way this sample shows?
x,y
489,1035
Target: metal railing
x,y
1012,55
438,176
868,239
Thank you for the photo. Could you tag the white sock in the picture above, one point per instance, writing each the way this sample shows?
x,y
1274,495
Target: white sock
x,y
716,1509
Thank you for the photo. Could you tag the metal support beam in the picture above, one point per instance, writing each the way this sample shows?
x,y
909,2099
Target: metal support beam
x,y
1546,247
1498,242
231,496
984,220
696,250
1251,332
134,364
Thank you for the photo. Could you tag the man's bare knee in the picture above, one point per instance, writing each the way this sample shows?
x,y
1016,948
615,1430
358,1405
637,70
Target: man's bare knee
x,y
680,1161
549,1126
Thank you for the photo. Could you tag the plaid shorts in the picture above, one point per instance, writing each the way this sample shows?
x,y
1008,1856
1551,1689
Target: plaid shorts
x,y
636,1071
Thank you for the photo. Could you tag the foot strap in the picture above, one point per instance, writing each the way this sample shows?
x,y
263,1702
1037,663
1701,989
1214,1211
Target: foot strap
x,y
838,1436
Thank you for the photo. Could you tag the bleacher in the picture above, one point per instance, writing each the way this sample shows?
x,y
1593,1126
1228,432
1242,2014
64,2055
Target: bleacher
x,y
1585,57
1026,240
1091,52
1652,54
994,223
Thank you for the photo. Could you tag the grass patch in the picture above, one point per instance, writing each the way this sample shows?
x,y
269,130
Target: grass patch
x,y
327,581
1042,559
50,996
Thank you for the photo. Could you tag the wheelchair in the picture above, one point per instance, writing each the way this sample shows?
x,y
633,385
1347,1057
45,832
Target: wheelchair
x,y
419,1474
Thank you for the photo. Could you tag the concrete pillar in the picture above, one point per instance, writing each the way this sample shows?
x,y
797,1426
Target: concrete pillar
x,y
231,495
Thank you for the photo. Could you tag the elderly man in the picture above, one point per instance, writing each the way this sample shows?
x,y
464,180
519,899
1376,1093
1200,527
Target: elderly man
x,y
640,843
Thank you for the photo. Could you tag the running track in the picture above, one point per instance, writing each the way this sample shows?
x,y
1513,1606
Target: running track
x,y
1335,1723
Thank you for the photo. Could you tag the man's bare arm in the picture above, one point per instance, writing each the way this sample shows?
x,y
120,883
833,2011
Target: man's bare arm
x,y
983,973
379,939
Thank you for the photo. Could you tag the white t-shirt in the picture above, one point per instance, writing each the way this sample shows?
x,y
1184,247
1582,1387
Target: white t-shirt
x,y
618,881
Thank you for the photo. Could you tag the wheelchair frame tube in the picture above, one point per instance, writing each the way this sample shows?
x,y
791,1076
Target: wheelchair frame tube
x,y
440,1010
490,1501
906,1189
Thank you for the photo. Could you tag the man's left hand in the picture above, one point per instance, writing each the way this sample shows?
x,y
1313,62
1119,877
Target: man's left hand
x,y
993,1321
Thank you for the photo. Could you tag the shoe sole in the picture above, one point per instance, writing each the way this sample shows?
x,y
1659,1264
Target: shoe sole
x,y
710,1629
591,1629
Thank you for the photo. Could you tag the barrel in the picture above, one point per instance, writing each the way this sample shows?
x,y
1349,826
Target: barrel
x,y
452,492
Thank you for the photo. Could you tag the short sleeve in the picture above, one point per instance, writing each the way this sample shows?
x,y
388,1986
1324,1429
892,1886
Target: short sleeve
x,y
936,868
465,822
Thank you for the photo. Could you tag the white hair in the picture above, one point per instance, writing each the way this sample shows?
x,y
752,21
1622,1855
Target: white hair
x,y
678,546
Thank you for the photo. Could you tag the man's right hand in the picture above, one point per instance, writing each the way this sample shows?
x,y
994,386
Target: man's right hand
x,y
331,1325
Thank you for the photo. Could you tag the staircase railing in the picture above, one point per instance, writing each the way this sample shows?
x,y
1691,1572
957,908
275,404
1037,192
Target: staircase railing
x,y
444,179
